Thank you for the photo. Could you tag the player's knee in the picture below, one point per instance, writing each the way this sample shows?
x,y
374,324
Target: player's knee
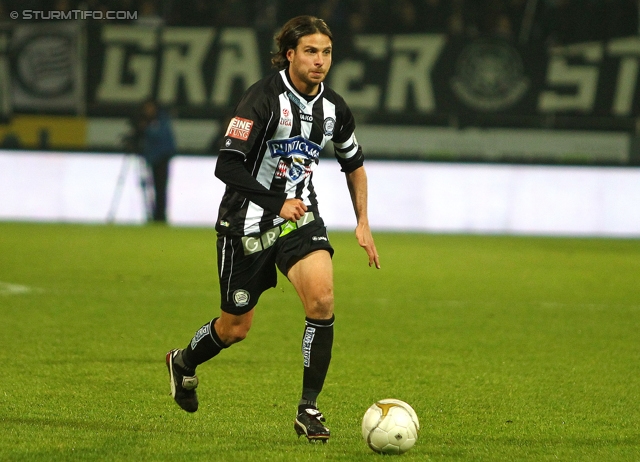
x,y
321,307
237,334
234,333
233,336
239,337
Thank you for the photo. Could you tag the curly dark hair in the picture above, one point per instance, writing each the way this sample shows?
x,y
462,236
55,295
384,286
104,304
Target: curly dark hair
x,y
287,38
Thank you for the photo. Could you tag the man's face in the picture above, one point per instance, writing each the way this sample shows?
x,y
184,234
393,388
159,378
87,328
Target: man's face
x,y
310,62
149,110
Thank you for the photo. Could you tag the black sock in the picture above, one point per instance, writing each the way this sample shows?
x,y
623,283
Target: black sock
x,y
204,345
307,404
317,342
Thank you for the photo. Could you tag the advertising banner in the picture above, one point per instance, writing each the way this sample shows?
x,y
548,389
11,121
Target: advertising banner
x,y
46,66
447,198
391,79
433,97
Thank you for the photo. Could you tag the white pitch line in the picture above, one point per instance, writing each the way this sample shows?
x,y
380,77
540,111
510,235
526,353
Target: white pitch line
x,y
6,288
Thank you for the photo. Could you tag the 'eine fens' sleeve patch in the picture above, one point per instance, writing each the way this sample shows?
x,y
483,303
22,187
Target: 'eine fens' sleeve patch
x,y
239,128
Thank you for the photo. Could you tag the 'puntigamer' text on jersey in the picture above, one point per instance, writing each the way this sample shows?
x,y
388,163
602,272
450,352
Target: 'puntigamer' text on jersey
x,y
280,134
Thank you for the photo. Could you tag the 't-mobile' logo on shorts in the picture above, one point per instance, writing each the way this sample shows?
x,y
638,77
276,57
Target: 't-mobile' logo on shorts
x,y
239,128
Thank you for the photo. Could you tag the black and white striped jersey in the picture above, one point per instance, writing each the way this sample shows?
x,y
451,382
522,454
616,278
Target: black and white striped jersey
x,y
271,148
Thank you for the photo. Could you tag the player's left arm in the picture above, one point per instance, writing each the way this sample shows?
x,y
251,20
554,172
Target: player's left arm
x,y
357,184
351,158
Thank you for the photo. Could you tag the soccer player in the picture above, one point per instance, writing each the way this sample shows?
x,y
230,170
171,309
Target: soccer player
x,y
269,218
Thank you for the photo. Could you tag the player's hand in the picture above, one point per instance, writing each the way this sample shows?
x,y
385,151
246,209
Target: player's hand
x,y
365,239
293,209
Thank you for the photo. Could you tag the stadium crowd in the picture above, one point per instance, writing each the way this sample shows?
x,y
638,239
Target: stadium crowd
x,y
555,21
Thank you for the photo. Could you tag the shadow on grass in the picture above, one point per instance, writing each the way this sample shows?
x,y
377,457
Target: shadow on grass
x,y
111,360
79,424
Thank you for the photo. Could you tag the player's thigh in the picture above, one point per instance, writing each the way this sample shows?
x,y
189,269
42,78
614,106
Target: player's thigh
x,y
243,276
312,277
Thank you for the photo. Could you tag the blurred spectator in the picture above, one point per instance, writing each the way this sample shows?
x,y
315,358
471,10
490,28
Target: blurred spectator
x,y
502,27
516,10
62,5
266,14
621,18
374,16
192,13
403,17
152,137
291,8
553,21
149,14
575,22
232,13
572,21
463,19
434,15
336,13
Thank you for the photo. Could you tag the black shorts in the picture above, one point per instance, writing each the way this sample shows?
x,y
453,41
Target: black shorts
x,y
247,265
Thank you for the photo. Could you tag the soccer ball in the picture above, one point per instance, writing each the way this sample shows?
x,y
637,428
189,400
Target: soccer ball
x,y
390,426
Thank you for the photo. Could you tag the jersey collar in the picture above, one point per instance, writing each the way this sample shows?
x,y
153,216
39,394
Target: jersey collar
x,y
302,100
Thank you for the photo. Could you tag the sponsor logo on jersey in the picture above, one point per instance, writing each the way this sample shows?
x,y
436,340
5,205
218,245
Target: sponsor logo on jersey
x,y
286,119
292,169
329,126
296,146
306,117
297,155
295,100
239,128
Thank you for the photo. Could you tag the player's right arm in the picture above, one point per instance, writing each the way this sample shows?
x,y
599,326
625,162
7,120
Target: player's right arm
x,y
243,134
293,209
230,169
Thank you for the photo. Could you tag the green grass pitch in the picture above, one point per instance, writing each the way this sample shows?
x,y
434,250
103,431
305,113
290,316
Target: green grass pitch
x,y
508,348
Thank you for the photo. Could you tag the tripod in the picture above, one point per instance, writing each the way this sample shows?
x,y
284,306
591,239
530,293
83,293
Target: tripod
x,y
146,185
